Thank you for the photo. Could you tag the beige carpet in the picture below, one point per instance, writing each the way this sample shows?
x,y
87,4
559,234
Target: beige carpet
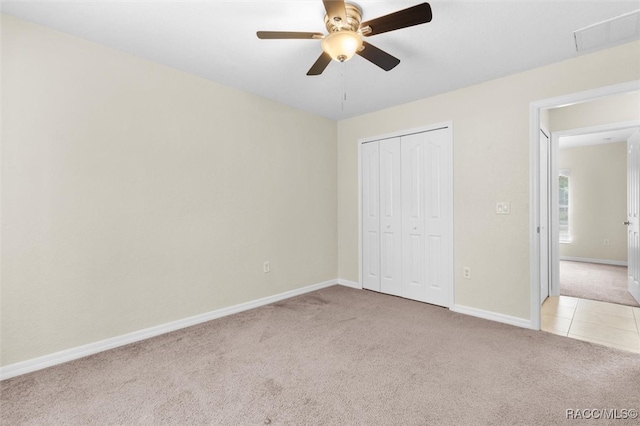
x,y
607,283
337,356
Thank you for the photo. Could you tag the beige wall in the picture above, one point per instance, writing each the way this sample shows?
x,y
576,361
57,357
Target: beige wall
x,y
598,201
612,109
134,194
545,120
491,163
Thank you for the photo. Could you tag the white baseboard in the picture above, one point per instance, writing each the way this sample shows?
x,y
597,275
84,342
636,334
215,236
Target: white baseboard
x,y
348,283
600,261
61,357
67,355
493,316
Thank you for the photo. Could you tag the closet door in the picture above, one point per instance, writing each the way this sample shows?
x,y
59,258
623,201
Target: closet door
x,y
438,239
370,155
426,195
413,216
390,217
407,237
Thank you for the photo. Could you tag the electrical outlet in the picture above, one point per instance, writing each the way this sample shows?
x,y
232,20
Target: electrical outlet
x,y
503,207
606,242
266,267
466,272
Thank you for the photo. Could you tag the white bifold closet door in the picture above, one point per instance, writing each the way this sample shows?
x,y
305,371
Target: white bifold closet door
x,y
390,217
406,210
370,169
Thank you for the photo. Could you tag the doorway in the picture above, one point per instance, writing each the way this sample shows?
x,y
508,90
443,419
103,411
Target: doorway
x,y
590,180
542,192
589,201
538,115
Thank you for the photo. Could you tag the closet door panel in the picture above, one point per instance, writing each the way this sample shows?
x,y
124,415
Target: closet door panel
x,y
413,207
371,216
390,217
438,287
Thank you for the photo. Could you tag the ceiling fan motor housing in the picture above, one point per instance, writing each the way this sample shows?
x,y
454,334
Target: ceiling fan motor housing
x,y
354,16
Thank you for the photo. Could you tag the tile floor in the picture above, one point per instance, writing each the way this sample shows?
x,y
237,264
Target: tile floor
x,y
604,323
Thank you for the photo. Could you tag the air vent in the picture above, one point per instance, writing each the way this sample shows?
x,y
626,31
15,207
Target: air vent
x,y
621,29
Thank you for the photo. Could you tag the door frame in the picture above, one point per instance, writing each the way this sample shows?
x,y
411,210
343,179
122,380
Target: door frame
x,y
547,230
633,165
396,134
534,177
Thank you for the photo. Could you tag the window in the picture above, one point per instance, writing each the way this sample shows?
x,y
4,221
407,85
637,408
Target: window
x,y
563,206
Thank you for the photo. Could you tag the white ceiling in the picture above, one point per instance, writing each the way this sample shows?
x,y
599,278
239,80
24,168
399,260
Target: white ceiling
x,y
467,42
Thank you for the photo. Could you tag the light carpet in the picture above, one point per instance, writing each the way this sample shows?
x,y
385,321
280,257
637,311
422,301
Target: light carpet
x,y
337,356
607,283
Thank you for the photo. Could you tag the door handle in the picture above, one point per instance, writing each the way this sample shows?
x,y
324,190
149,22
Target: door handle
x,y
626,223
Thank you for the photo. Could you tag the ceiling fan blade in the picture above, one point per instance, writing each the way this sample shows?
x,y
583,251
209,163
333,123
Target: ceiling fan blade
x,y
272,35
336,9
378,57
320,64
415,15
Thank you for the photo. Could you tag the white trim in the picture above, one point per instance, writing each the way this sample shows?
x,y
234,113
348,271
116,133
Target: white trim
x,y
50,360
599,261
493,316
554,239
534,178
587,95
360,213
399,133
534,215
545,163
348,283
450,221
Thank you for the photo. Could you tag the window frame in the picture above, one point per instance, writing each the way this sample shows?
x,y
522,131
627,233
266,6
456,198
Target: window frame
x,y
564,236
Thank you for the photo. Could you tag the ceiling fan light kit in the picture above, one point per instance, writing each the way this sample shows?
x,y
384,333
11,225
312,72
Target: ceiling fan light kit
x,y
342,45
345,32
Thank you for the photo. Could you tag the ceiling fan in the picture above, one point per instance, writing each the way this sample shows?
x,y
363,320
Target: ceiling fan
x,y
346,31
